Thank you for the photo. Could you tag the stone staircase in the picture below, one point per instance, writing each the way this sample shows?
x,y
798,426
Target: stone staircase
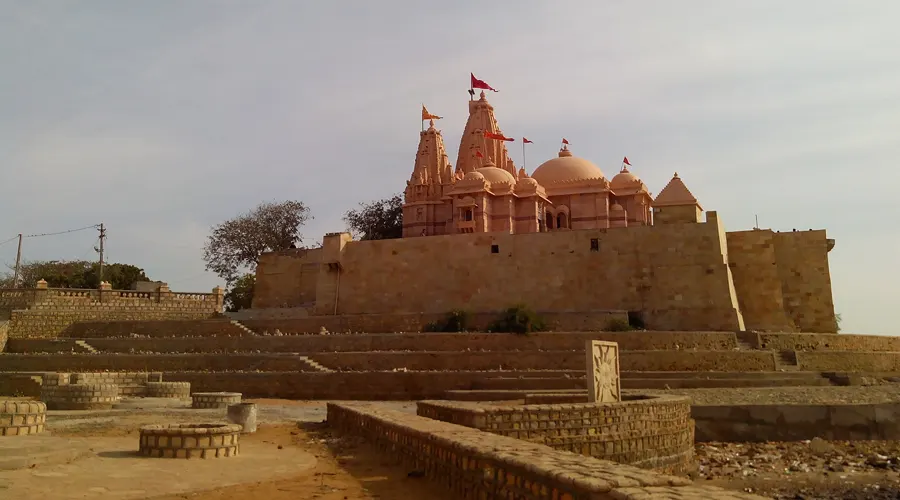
x,y
316,366
787,361
242,327
82,346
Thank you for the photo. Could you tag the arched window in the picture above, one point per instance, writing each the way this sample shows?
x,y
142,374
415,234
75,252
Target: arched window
x,y
468,214
562,221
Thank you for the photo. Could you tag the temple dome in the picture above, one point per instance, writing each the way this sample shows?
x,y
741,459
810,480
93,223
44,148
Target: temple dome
x,y
473,176
615,207
624,179
566,168
495,175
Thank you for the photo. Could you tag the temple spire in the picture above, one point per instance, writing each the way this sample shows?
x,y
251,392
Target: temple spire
x,y
481,120
432,166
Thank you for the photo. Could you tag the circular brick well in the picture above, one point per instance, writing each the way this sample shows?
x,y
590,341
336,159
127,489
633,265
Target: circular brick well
x,y
190,440
21,417
214,399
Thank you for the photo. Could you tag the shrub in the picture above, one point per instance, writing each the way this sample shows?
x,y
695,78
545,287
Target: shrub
x,y
518,319
618,325
454,321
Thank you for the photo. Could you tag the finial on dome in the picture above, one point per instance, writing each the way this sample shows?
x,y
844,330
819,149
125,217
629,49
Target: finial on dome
x,y
431,124
482,96
564,151
676,175
522,174
625,169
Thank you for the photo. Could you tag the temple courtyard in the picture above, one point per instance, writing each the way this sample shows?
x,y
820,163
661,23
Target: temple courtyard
x,y
293,454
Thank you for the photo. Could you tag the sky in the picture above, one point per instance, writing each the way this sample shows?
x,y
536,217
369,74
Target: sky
x,y
161,119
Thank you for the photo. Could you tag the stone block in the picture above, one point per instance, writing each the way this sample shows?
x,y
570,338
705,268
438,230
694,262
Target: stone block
x,y
603,371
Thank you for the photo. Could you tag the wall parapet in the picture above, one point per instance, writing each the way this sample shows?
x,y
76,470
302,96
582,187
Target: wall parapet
x,y
654,432
475,464
45,312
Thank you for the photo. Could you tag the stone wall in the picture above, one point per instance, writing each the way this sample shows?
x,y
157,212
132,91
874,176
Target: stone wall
x,y
687,361
51,311
307,344
676,274
586,321
759,423
474,464
4,334
153,328
815,342
844,361
653,432
287,278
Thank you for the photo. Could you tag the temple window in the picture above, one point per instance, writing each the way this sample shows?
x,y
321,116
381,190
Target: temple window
x,y
595,245
468,215
549,220
495,248
562,221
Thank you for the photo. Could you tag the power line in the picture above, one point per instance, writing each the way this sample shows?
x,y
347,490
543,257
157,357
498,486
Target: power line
x,y
93,226
7,241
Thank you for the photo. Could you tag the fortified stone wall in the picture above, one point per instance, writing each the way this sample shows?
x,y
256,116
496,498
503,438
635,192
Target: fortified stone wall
x,y
152,328
653,432
50,311
287,278
676,274
782,280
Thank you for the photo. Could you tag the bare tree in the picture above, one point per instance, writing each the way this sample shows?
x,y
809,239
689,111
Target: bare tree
x,y
234,246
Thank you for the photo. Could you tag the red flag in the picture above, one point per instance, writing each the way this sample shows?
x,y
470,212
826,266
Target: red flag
x,y
526,141
565,141
625,161
480,84
478,154
498,137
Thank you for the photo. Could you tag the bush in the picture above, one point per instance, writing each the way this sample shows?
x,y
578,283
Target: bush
x,y
519,319
454,321
618,325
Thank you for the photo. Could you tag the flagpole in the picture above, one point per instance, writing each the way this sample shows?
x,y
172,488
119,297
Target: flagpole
x,y
423,118
523,154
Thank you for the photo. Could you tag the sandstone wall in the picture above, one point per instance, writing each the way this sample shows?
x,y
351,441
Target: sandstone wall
x,y
307,344
4,334
754,266
816,342
54,310
153,328
760,423
844,361
677,274
588,321
649,432
150,362
474,464
287,278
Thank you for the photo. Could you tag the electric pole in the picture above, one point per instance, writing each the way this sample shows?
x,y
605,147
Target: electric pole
x,y
18,262
102,237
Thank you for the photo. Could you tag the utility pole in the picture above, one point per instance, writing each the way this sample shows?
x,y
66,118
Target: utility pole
x,y
102,237
18,262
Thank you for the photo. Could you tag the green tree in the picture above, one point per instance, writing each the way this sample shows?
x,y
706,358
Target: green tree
x,y
240,294
377,220
75,274
234,246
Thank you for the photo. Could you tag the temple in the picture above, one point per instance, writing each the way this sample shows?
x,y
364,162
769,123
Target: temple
x,y
565,240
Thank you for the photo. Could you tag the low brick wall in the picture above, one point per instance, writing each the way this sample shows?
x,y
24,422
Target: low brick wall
x,y
150,362
153,328
309,344
652,432
4,334
20,384
738,361
758,423
826,342
846,361
474,464
390,323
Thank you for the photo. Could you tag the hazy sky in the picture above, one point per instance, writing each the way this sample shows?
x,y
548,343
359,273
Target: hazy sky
x,y
162,118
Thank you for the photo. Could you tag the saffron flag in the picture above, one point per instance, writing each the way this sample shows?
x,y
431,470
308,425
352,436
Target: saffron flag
x,y
625,161
565,141
478,154
526,141
480,84
497,137
428,116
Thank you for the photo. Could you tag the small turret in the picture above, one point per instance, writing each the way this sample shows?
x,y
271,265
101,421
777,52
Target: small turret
x,y
676,204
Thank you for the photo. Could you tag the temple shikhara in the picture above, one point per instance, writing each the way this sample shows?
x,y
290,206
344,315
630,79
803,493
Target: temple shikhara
x,y
482,234
486,193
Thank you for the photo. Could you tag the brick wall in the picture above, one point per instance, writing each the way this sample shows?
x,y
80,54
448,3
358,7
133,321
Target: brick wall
x,y
705,341
754,267
54,310
476,464
588,321
760,423
647,431
806,280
